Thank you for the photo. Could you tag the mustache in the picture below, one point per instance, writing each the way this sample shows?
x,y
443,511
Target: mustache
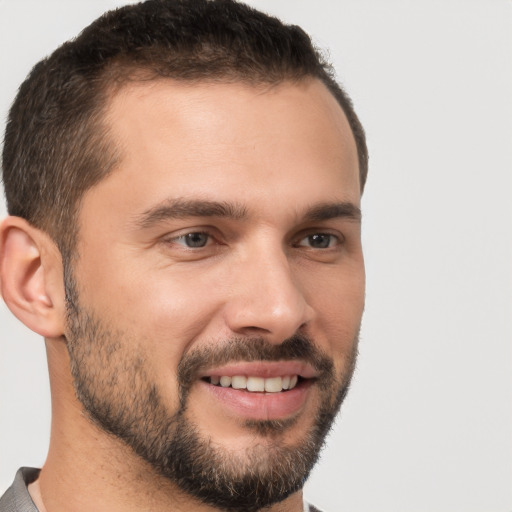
x,y
298,347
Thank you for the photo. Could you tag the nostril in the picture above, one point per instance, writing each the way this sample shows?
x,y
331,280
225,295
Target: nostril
x,y
254,329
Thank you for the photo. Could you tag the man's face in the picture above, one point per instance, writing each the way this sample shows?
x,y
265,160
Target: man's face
x,y
219,265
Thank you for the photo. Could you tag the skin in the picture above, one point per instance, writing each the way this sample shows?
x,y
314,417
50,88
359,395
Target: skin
x,y
274,153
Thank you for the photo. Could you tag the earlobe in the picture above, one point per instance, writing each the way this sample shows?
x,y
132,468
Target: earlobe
x,y
30,277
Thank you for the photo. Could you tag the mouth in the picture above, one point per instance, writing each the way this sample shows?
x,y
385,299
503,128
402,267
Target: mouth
x,y
260,390
255,384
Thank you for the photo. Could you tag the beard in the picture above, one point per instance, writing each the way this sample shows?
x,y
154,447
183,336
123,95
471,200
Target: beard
x,y
112,383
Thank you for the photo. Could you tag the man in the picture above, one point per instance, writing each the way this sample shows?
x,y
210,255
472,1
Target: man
x,y
183,182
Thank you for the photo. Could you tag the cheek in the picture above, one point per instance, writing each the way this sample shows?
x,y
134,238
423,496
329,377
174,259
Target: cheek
x,y
173,312
338,300
336,291
163,310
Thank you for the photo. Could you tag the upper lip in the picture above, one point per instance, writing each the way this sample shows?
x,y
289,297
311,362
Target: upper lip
x,y
265,369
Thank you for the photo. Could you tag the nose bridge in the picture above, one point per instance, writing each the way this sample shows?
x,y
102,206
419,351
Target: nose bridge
x,y
266,298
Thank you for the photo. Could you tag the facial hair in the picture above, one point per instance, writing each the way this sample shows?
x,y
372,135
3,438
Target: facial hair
x,y
111,381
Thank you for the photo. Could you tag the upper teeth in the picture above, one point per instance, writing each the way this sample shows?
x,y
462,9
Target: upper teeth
x,y
270,385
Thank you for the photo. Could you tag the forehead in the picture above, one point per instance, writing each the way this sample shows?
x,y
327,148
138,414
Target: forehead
x,y
215,140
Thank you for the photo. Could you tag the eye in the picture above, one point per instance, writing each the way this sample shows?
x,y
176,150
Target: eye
x,y
193,240
319,241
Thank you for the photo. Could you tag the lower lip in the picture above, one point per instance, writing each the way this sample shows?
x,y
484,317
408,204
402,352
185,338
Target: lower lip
x,y
261,406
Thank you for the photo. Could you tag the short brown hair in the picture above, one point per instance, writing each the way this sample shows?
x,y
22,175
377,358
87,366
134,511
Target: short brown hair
x,y
56,145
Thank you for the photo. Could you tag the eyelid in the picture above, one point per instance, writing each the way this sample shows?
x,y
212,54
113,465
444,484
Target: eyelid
x,y
173,238
319,231
216,238
178,238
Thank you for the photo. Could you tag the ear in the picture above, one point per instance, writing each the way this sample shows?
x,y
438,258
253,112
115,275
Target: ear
x,y
31,277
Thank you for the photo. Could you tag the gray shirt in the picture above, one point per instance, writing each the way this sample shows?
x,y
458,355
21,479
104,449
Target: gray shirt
x,y
17,498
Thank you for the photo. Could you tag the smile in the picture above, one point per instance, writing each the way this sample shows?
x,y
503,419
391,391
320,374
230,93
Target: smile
x,y
260,390
255,384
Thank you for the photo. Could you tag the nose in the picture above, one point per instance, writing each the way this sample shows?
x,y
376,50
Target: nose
x,y
266,299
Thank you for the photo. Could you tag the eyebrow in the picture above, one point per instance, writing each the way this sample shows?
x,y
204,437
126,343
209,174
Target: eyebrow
x,y
326,211
185,208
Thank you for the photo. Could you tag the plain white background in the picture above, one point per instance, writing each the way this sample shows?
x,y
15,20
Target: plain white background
x,y
428,424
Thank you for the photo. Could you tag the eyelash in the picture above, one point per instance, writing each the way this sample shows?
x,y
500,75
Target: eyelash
x,y
331,238
188,236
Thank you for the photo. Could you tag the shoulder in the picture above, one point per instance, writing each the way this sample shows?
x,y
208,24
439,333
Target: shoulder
x,y
17,497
